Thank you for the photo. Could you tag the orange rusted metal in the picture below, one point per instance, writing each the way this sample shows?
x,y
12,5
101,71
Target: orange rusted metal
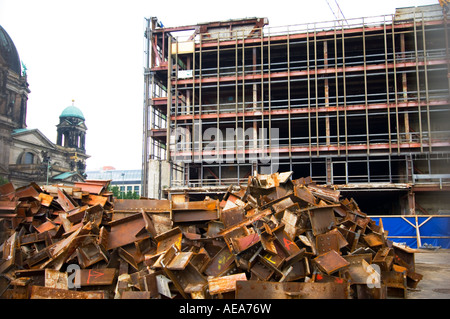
x,y
273,238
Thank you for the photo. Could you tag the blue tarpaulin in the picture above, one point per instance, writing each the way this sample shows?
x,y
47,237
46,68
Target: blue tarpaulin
x,y
432,230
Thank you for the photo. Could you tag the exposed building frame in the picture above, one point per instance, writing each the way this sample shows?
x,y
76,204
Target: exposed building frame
x,y
359,102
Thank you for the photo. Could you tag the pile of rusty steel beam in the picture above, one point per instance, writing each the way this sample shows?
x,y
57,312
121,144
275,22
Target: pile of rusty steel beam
x,y
274,238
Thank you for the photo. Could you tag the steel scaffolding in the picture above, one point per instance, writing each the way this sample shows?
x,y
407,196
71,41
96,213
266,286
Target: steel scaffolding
x,y
361,102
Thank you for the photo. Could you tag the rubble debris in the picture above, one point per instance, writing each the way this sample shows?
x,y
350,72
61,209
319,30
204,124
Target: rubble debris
x,y
273,238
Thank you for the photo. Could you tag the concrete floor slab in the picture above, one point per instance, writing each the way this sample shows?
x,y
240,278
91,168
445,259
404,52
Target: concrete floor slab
x,y
434,265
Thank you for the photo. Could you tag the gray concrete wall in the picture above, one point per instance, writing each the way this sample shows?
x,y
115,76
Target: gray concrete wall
x,y
158,178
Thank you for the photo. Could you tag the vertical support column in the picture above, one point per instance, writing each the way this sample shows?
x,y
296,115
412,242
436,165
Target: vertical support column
x,y
329,170
263,137
83,141
366,103
178,106
419,108
309,91
177,68
338,141
388,107
254,104
327,91
199,156
169,96
447,50
194,74
425,62
344,84
59,137
236,104
145,115
201,170
405,88
390,169
411,202
187,108
242,141
316,90
346,170
289,94
397,121
238,175
218,148
269,90
409,168
417,226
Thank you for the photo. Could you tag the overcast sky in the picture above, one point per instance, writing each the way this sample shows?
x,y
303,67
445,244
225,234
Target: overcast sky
x,y
91,51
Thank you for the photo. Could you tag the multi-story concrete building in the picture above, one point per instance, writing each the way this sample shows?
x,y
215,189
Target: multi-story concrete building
x,y
361,104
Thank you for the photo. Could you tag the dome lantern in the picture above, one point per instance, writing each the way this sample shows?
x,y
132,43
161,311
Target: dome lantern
x,y
72,111
71,128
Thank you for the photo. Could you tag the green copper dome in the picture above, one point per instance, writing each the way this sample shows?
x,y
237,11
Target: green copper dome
x,y
72,111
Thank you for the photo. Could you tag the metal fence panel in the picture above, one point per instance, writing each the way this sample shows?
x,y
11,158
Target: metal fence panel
x,y
417,231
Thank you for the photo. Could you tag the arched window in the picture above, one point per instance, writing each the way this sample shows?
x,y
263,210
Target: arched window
x,y
28,158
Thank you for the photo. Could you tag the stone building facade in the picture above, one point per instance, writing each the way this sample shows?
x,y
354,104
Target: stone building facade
x,y
27,155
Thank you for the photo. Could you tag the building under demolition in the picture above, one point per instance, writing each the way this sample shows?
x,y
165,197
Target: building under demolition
x,y
361,104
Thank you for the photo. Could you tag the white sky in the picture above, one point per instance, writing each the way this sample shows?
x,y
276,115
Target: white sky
x,y
92,51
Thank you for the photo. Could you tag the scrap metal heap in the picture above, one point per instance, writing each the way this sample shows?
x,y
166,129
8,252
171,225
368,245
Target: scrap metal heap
x,y
272,238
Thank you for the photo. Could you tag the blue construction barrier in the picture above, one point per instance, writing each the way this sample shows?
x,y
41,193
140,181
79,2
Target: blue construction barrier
x,y
417,231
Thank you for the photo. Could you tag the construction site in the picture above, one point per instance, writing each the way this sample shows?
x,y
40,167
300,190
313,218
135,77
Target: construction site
x,y
297,162
361,104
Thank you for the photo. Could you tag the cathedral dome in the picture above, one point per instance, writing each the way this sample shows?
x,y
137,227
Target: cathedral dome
x,y
9,52
72,111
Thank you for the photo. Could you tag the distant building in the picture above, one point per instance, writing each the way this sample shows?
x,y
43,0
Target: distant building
x,y
27,155
126,180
